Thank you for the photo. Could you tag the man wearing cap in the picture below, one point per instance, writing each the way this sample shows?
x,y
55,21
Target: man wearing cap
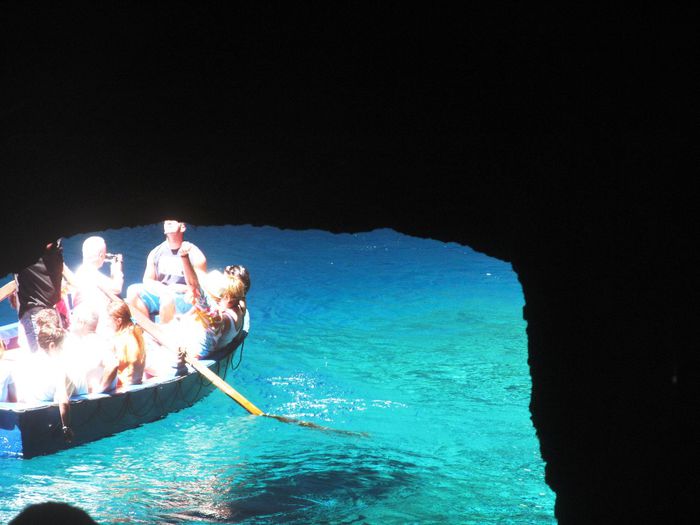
x,y
162,291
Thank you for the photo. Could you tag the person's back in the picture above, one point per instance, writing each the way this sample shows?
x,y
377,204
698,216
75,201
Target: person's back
x,y
41,376
128,345
85,352
130,350
38,288
39,284
36,376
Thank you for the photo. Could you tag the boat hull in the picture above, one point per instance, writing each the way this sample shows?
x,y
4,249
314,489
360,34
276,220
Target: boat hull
x,y
27,431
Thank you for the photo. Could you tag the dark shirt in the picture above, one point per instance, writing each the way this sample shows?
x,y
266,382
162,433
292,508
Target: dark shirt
x,y
39,285
168,264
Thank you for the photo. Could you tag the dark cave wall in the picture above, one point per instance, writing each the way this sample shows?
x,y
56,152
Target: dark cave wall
x,y
612,392
524,133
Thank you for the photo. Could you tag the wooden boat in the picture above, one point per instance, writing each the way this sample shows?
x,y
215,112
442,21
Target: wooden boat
x,y
33,429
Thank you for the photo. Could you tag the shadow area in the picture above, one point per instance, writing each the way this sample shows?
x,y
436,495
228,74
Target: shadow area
x,y
314,489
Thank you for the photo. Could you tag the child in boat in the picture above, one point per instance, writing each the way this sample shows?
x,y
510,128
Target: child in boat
x,y
128,346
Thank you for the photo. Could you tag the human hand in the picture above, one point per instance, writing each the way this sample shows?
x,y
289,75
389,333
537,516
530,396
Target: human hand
x,y
185,248
114,257
14,300
191,295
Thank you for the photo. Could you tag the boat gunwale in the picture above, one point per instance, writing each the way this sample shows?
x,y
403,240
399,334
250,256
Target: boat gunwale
x,y
23,406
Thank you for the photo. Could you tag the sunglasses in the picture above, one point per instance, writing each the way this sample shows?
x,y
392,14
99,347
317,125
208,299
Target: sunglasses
x,y
234,269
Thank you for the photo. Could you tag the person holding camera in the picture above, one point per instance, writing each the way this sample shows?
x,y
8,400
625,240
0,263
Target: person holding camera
x,y
88,278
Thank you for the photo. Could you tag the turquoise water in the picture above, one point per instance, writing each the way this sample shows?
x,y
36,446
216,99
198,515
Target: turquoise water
x,y
418,343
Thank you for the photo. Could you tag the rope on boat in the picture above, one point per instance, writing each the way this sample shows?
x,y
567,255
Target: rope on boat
x,y
131,410
240,359
154,400
172,398
120,414
200,382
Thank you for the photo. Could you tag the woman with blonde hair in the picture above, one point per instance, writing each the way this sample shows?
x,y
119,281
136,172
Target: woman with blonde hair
x,y
128,347
219,308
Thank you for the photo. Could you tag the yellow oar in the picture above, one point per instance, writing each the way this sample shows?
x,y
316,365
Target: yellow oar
x,y
7,289
155,331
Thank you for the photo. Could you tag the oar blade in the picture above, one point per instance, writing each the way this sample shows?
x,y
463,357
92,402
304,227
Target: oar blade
x,y
308,424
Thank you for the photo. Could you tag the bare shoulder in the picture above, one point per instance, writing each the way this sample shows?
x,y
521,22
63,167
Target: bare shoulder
x,y
196,250
198,258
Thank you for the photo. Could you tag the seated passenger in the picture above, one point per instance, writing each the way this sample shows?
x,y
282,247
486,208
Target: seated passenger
x,y
218,313
128,347
42,375
241,272
39,318
89,279
86,353
7,384
163,289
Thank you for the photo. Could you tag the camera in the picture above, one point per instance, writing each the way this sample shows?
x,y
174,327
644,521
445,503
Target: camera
x,y
114,257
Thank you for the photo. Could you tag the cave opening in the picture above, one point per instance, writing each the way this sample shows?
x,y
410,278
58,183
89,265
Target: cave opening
x,y
420,342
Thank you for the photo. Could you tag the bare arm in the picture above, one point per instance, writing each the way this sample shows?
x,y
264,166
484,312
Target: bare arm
x,y
150,273
110,372
63,392
199,261
190,273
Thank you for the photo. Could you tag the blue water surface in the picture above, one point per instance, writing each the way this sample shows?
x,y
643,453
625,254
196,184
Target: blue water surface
x,y
418,343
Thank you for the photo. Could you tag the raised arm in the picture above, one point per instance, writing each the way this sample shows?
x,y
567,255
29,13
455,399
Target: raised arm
x,y
199,261
190,272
